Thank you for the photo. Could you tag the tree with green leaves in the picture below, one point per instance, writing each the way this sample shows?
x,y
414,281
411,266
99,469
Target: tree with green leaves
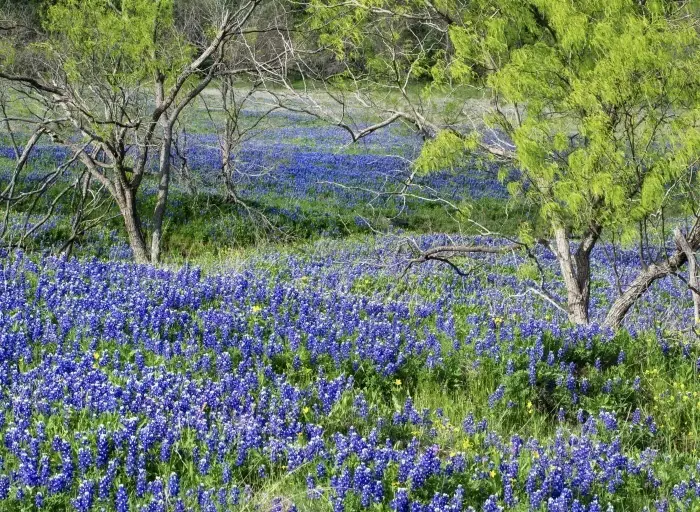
x,y
595,102
116,76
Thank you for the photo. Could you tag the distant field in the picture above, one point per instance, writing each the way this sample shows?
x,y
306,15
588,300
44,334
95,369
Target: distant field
x,y
306,177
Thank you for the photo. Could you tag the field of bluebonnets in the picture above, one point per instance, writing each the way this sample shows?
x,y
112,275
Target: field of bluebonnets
x,y
323,375
302,175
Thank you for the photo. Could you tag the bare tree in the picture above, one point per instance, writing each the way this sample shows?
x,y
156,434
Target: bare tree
x,y
116,119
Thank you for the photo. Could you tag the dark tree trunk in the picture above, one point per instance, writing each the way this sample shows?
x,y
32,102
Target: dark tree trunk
x,y
132,223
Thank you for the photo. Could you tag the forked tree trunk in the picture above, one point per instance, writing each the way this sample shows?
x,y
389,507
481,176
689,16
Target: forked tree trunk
x,y
576,272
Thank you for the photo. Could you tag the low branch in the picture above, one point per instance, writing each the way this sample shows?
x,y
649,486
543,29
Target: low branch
x,y
659,269
450,251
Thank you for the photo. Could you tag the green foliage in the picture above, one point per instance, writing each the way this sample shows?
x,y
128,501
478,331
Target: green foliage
x,y
611,98
385,48
603,96
120,44
444,151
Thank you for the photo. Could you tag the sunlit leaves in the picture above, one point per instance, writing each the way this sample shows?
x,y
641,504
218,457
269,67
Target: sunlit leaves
x,y
443,151
120,43
606,88
607,91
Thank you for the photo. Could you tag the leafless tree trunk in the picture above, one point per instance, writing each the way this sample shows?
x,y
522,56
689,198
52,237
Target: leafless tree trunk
x,y
229,138
164,165
692,271
576,272
126,200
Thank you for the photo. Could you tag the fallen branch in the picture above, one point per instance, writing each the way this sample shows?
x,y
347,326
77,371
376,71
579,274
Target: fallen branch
x,y
450,251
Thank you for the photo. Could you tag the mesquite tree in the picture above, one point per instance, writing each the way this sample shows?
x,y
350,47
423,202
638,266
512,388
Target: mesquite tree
x,y
597,103
118,74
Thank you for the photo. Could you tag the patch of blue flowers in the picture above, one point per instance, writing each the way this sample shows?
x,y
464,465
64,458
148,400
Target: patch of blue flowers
x,y
299,382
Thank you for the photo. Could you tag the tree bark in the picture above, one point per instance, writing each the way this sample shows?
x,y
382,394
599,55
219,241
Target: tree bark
x,y
577,277
162,197
163,177
132,223
231,194
227,169
692,272
618,310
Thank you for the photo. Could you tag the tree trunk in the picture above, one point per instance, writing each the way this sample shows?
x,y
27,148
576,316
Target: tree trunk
x,y
576,275
692,272
231,195
618,310
657,270
227,171
163,178
162,198
132,223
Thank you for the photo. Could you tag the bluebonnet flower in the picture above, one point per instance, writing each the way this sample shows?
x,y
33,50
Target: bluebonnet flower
x,y
4,487
497,395
401,502
636,383
84,460
491,505
636,416
621,357
84,500
173,485
468,425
